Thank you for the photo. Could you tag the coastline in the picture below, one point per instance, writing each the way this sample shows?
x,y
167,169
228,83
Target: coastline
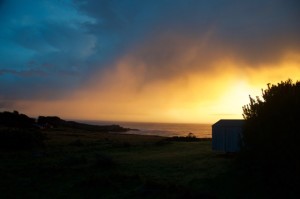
x,y
160,129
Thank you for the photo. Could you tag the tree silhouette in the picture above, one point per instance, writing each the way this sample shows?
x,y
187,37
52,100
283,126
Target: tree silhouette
x,y
272,135
273,122
272,128
16,120
18,132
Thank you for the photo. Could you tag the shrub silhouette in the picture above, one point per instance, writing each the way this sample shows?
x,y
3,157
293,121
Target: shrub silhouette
x,y
189,138
272,123
50,121
272,129
18,131
16,120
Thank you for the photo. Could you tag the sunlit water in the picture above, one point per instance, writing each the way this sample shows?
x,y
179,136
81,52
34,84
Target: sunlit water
x,y
163,129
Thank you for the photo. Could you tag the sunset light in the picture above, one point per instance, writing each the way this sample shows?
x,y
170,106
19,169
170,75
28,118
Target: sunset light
x,y
195,97
149,99
182,65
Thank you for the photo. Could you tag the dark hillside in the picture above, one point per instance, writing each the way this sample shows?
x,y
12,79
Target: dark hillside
x,y
54,122
14,119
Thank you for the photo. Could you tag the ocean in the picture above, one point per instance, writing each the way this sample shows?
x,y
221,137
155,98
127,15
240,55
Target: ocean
x,y
162,129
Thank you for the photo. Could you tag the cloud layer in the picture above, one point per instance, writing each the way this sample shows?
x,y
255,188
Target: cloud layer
x,y
54,52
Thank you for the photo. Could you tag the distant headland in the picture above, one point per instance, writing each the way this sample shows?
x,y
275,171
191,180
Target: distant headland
x,y
18,120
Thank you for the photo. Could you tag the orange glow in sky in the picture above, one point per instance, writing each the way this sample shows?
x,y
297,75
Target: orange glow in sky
x,y
120,94
149,61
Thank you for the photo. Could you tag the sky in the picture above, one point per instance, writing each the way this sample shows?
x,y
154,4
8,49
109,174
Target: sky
x,y
190,61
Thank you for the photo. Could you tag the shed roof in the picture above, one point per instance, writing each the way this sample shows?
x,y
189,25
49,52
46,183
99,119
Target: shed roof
x,y
229,122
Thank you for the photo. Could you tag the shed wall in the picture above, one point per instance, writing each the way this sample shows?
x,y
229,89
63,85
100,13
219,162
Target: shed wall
x,y
226,139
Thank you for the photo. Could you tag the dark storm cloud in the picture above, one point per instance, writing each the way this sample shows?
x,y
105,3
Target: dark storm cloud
x,y
44,49
259,31
256,32
51,47
1,3
160,34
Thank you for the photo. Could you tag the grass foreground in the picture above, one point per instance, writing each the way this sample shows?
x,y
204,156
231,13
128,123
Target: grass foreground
x,y
86,164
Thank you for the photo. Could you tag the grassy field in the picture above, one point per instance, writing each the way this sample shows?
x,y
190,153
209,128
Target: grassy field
x,y
86,164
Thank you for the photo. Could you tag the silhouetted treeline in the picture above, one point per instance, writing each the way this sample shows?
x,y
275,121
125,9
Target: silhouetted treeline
x,y
54,121
18,131
14,119
50,121
17,120
272,131
272,124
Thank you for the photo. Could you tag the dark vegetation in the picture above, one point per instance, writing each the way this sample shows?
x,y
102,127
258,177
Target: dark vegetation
x,y
18,131
189,138
272,135
87,161
54,122
81,161
88,164
16,120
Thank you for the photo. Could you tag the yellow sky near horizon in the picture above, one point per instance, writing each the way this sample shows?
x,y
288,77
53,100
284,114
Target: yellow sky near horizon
x,y
144,61
119,94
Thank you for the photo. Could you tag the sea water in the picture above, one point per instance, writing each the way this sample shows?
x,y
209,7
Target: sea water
x,y
162,129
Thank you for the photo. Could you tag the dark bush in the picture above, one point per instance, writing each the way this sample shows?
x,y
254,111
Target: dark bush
x,y
272,132
189,138
50,121
14,119
272,123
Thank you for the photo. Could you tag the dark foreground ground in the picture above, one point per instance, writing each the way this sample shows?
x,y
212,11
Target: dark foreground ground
x,y
87,164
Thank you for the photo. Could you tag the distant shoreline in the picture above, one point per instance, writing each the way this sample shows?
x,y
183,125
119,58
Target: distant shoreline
x,y
19,120
160,129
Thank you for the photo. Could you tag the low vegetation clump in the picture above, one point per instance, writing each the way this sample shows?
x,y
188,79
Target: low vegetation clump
x,y
189,138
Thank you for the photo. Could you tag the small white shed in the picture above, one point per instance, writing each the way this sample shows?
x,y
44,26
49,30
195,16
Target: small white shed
x,y
227,135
